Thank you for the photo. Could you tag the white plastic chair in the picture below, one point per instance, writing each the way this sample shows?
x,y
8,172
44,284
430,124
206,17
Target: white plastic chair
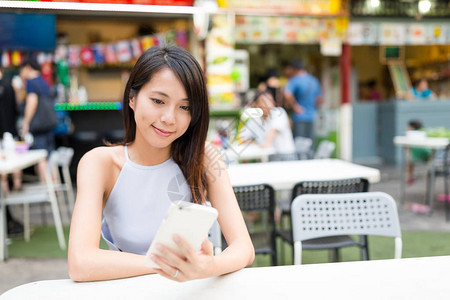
x,y
64,159
63,187
40,195
326,215
303,146
215,237
324,150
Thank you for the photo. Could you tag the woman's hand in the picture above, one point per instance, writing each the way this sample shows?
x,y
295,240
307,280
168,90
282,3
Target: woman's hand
x,y
190,265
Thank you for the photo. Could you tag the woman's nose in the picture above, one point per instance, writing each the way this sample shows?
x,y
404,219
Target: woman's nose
x,y
168,116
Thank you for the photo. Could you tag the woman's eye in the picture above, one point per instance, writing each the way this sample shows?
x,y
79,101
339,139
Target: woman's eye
x,y
185,107
157,101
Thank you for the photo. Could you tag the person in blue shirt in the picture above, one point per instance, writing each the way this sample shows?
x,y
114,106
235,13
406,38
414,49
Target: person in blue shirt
x,y
36,87
302,93
421,90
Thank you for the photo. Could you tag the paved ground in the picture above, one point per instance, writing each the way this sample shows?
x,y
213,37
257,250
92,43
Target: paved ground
x,y
18,271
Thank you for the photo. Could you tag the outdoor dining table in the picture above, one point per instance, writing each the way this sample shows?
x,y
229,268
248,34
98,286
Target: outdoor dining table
x,y
11,162
283,175
376,279
431,143
236,153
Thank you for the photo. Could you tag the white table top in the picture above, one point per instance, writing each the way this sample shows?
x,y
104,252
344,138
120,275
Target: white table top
x,y
412,278
237,152
285,174
12,161
427,142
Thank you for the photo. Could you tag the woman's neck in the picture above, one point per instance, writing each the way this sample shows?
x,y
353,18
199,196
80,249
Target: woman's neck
x,y
144,154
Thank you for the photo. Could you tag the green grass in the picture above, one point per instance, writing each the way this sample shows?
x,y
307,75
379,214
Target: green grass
x,y
415,244
44,244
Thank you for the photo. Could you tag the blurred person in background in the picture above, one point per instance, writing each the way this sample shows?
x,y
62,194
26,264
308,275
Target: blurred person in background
x,y
421,91
271,83
8,119
35,87
416,154
373,93
303,94
272,129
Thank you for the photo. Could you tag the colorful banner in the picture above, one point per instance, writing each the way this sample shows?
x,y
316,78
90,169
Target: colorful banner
x,y
123,51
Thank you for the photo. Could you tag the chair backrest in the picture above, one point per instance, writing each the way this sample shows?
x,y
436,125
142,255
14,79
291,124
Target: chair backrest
x,y
371,213
65,156
259,199
255,197
283,156
303,146
52,161
215,237
324,150
350,185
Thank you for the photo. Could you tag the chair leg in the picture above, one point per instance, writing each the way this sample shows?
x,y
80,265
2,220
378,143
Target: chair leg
x,y
364,247
26,222
63,206
3,231
282,244
43,214
297,253
70,193
58,223
334,255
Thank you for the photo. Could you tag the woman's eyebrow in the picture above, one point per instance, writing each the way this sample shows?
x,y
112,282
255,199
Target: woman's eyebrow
x,y
167,96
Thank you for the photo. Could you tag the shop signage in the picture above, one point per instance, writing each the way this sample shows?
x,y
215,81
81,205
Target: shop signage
x,y
310,7
398,33
220,62
145,2
289,29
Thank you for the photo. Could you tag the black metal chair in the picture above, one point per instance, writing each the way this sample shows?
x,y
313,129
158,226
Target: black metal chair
x,y
353,185
446,182
443,169
259,199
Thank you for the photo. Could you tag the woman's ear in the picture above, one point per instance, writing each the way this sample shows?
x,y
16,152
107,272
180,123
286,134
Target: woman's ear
x,y
132,100
131,103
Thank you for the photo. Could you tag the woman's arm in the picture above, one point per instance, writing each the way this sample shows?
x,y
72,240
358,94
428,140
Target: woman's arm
x,y
270,137
87,262
240,251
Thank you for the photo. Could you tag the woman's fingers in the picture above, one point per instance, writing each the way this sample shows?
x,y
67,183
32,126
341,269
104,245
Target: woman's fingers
x,y
185,264
186,250
167,270
207,247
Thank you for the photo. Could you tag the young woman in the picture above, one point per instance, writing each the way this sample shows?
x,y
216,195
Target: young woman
x,y
166,116
273,129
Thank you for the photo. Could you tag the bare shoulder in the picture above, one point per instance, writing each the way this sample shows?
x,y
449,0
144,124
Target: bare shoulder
x,y
103,157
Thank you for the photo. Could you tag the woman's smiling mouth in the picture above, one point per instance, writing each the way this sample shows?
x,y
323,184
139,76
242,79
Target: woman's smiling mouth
x,y
162,132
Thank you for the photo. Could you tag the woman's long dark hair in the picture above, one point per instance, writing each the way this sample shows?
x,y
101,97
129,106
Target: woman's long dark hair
x,y
188,150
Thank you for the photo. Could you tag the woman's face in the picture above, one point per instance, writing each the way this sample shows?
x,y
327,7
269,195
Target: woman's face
x,y
161,110
265,102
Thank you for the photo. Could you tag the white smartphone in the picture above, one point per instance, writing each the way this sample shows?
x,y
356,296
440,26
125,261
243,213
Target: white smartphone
x,y
190,221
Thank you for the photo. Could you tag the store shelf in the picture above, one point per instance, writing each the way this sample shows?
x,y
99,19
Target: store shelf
x,y
88,106
225,113
100,9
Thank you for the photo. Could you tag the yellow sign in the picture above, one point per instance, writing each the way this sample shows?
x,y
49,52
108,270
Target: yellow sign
x,y
286,6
